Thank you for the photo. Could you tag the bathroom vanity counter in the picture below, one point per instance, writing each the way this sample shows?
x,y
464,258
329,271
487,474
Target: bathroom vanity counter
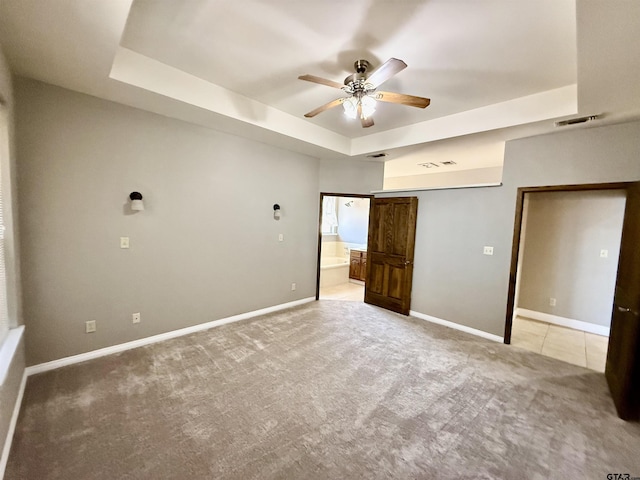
x,y
358,264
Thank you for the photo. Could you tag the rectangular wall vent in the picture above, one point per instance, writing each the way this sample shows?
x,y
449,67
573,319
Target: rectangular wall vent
x,y
573,121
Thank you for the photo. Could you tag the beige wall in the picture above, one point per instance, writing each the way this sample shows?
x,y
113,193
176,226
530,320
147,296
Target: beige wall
x,y
476,176
453,280
565,232
350,176
10,388
205,248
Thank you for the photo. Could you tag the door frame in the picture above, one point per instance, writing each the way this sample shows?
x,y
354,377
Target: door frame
x,y
327,194
517,232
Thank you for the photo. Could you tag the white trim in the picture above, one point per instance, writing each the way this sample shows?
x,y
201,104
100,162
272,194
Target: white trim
x,y
457,326
8,350
12,426
83,357
564,322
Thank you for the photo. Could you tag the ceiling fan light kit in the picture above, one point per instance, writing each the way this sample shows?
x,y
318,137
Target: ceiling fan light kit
x,y
361,90
365,103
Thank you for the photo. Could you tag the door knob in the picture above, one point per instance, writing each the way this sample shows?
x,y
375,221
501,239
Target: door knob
x,y
624,310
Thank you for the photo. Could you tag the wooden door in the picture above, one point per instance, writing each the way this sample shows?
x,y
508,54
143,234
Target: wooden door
x,y
392,233
623,359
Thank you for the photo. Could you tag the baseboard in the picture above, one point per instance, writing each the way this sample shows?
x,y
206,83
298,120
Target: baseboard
x,y
12,426
8,351
457,326
563,322
83,357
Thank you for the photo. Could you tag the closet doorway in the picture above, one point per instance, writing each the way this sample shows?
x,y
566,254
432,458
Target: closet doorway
x,y
622,368
568,259
342,246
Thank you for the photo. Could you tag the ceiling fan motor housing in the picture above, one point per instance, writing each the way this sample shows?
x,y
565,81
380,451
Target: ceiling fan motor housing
x,y
361,66
356,82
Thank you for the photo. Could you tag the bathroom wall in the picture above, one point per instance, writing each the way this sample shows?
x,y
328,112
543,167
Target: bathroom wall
x,y
353,220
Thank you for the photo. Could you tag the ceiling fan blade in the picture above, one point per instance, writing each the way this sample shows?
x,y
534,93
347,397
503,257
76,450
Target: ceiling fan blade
x,y
321,81
366,121
385,71
403,99
326,106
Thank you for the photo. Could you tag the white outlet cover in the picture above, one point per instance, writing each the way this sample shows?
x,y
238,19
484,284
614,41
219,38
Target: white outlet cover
x,y
604,253
124,242
488,250
90,326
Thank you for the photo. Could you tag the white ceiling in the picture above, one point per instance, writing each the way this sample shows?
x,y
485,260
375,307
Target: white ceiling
x,y
233,65
462,54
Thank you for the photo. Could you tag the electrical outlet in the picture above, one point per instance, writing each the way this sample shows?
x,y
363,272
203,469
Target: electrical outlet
x,y
293,287
124,242
90,326
488,251
552,302
135,318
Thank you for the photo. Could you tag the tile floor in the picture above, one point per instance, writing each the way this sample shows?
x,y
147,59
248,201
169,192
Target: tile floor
x,y
572,346
351,292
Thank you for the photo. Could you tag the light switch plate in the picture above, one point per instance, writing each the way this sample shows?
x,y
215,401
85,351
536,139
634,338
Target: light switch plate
x,y
124,242
604,253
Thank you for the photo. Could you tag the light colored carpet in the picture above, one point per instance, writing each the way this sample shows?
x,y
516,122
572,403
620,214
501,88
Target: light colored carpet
x,y
328,390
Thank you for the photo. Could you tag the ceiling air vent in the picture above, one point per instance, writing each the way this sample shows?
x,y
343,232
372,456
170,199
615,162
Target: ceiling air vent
x,y
573,121
377,155
446,163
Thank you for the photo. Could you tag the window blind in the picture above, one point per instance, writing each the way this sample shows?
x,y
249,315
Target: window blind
x,y
329,215
4,314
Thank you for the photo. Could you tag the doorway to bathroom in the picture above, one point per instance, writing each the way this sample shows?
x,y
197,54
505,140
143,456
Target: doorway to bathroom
x,y
342,246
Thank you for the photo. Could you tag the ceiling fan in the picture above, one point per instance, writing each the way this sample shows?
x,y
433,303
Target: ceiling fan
x,y
362,93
